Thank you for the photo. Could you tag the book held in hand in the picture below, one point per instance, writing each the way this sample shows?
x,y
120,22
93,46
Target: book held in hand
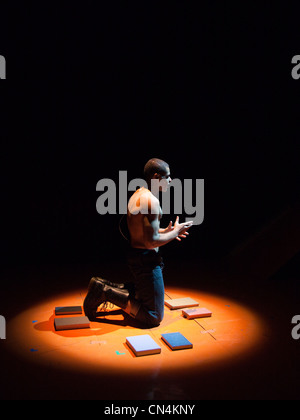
x,y
143,345
177,341
193,313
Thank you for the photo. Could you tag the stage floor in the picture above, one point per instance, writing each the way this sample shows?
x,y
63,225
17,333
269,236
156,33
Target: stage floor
x,y
231,331
242,351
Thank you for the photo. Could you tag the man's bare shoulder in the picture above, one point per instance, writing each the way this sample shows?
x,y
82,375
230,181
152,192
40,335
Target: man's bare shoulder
x,y
143,202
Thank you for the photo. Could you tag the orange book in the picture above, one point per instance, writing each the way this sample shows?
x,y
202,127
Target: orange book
x,y
179,303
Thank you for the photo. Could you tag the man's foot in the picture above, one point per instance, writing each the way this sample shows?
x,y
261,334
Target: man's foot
x,y
109,283
101,291
93,297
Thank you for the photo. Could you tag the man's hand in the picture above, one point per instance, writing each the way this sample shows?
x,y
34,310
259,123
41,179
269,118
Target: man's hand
x,y
182,228
167,229
155,237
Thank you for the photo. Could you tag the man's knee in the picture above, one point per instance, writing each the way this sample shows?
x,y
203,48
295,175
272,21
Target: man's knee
x,y
151,318
155,320
154,323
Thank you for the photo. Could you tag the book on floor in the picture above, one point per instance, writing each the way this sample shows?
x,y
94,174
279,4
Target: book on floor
x,y
177,341
180,303
193,313
68,310
71,323
143,345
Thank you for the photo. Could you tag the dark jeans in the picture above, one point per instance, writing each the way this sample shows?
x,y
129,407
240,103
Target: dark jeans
x,y
148,303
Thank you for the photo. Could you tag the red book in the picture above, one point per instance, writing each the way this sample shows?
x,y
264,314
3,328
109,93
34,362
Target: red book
x,y
196,313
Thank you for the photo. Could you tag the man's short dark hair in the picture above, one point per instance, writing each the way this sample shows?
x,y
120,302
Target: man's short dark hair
x,y
154,166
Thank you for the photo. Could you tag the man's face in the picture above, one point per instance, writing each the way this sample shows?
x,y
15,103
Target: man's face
x,y
165,180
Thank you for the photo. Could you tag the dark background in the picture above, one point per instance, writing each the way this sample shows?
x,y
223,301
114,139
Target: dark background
x,y
93,89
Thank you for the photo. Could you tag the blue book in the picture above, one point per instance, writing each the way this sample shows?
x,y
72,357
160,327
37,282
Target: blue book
x,y
143,345
176,341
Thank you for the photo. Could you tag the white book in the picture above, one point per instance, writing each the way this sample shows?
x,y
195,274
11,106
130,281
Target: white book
x,y
143,345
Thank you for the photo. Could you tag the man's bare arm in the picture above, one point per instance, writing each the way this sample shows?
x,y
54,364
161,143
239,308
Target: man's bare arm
x,y
153,237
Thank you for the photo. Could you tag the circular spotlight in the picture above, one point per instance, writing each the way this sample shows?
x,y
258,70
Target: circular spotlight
x,y
231,331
